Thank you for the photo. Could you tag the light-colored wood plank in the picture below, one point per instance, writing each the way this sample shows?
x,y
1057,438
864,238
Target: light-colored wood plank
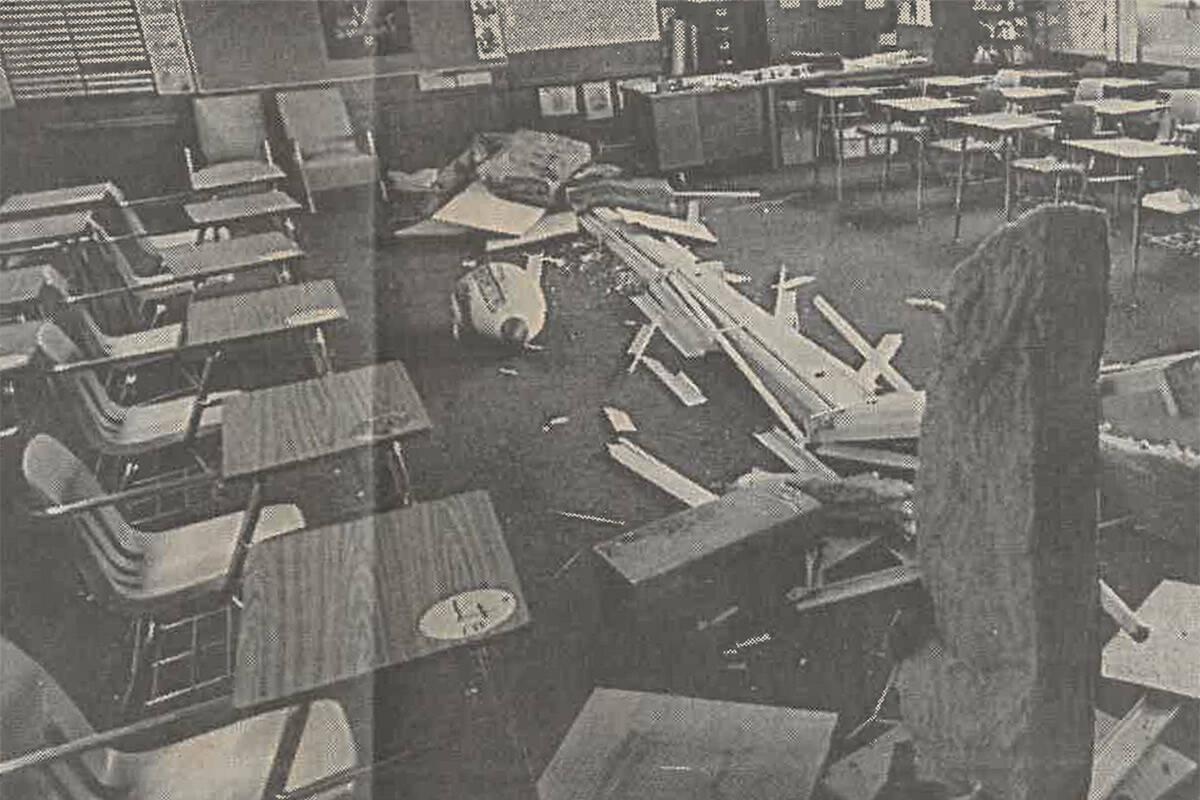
x,y
678,382
661,475
859,586
619,420
676,227
1159,772
790,452
1127,743
870,455
879,363
1167,660
551,226
638,345
896,415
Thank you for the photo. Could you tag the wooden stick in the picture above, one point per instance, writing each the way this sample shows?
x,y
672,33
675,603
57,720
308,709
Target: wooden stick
x,y
859,343
661,475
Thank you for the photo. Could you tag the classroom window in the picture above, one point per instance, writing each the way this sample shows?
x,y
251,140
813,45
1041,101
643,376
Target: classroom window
x,y
72,48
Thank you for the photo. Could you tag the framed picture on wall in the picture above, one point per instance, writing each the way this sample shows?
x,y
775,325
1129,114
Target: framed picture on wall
x,y
365,28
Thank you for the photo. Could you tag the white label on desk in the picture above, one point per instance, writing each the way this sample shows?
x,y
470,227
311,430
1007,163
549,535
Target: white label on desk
x,y
467,614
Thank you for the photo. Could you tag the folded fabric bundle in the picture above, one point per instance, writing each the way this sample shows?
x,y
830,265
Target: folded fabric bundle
x,y
531,167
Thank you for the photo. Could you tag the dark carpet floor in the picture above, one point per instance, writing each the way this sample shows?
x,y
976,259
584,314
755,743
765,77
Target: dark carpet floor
x,y
484,724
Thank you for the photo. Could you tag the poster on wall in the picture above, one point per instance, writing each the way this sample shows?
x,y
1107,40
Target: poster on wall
x,y
553,24
365,28
1168,32
597,100
557,101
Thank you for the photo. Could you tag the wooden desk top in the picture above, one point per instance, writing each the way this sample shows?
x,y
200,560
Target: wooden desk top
x,y
956,81
39,230
1120,107
1127,83
1172,201
1003,122
18,343
1132,149
243,206
229,255
23,285
626,745
68,198
1044,74
842,92
1167,659
296,422
333,603
921,105
273,310
1031,92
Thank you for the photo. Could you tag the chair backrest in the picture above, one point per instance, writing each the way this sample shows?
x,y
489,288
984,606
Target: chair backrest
x,y
1007,79
1182,109
31,705
1078,122
317,119
230,127
1089,89
76,321
97,416
113,550
989,101
1093,69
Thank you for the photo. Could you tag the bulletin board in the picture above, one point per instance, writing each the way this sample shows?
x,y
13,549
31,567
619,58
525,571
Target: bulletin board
x,y
250,44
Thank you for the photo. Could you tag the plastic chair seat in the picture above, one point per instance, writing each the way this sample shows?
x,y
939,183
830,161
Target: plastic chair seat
x,y
158,425
234,173
194,559
334,170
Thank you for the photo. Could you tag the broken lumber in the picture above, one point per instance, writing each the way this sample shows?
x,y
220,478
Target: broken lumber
x,y
876,456
1003,693
883,580
638,345
792,453
896,415
661,475
877,360
620,420
679,383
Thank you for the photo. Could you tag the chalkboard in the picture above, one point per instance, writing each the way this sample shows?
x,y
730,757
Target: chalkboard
x,y
244,44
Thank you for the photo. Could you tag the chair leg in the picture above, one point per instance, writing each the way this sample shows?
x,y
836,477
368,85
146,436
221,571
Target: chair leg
x,y
143,632
958,190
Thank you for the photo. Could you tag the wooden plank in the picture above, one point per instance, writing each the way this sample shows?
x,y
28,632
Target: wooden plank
x,y
672,542
661,475
1159,772
476,207
851,334
678,382
619,420
896,415
859,586
551,226
795,456
870,455
688,342
638,345
1127,743
622,744
889,345
432,228
670,225
1004,693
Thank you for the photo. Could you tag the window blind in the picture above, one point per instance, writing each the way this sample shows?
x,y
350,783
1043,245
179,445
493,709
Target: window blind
x,y
72,48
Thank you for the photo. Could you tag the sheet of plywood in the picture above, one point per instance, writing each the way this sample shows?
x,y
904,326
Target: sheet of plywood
x,y
476,207
688,229
1169,659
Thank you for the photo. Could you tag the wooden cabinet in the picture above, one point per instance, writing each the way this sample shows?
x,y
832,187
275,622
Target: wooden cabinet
x,y
691,129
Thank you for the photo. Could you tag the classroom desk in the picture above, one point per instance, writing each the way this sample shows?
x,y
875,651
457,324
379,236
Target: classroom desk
x,y
209,215
1141,153
1126,87
915,114
283,426
57,201
227,256
20,289
296,307
953,84
29,233
654,746
1120,109
1029,97
1001,124
831,114
339,602
1044,77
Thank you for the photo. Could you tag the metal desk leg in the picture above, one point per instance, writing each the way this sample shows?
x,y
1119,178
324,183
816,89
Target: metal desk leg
x,y
1007,178
816,160
773,128
887,156
958,188
319,351
401,479
839,149
920,172
1137,228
